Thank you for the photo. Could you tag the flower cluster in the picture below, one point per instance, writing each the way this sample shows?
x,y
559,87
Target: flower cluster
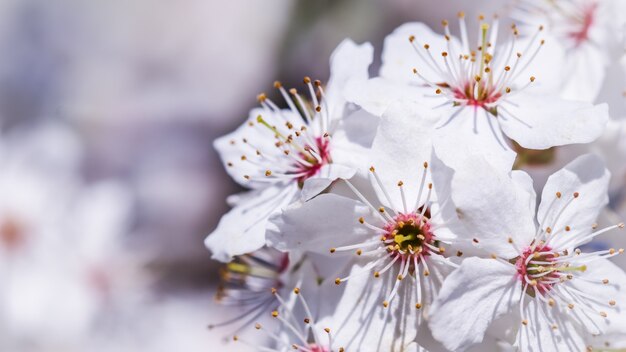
x,y
401,212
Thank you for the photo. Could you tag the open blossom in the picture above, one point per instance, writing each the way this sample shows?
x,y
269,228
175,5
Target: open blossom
x,y
539,286
391,237
591,33
278,152
611,147
486,93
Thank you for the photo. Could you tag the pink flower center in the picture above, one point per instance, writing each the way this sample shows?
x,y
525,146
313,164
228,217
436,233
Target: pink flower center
x,y
477,94
583,24
316,348
315,162
537,267
410,235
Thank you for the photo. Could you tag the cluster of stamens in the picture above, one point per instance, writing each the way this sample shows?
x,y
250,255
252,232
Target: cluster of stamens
x,y
540,269
553,259
402,239
481,77
409,235
301,137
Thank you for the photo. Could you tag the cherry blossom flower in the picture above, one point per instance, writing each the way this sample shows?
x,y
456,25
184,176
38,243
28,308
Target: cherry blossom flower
x,y
389,240
538,288
486,93
591,32
282,153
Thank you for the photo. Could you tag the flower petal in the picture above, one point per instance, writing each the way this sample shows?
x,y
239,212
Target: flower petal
x,y
505,208
541,121
600,297
242,229
359,321
539,334
583,186
469,129
326,221
376,94
245,141
353,139
327,174
474,295
349,61
401,146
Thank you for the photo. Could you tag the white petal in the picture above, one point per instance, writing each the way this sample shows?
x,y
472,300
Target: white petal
x,y
376,94
539,335
541,121
585,70
324,222
349,61
474,295
599,296
443,212
494,205
242,229
611,146
586,176
401,146
469,129
359,321
231,148
353,139
546,66
327,174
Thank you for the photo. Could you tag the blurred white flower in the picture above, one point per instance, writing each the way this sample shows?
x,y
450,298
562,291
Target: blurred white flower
x,y
592,34
63,264
545,293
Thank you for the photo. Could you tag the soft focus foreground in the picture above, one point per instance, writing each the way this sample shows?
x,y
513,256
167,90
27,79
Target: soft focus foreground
x,y
110,183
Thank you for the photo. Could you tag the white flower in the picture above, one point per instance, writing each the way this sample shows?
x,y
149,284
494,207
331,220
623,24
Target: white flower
x,y
388,239
278,152
591,33
539,288
483,93
611,147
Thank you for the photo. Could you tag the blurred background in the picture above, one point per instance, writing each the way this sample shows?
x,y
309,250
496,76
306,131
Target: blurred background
x,y
108,178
